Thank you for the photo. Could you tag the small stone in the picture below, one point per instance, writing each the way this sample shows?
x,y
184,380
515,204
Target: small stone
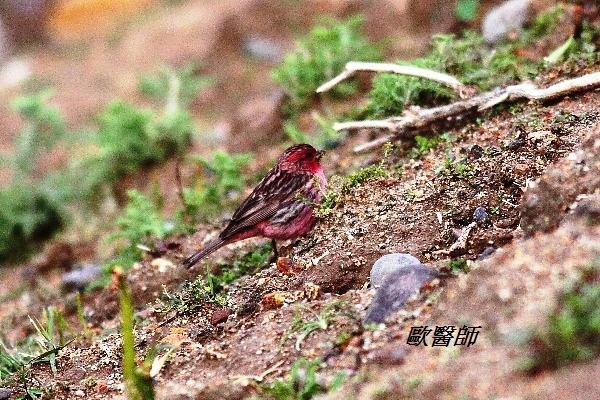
x,y
79,279
481,216
79,393
219,316
476,151
4,394
162,264
273,300
388,264
504,19
397,288
263,49
286,265
486,253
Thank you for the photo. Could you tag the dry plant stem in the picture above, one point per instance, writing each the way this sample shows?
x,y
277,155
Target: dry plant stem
x,y
461,241
417,118
354,66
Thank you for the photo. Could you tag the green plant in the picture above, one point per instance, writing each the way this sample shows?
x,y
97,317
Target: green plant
x,y
458,265
456,167
131,137
466,10
190,298
29,208
139,223
424,144
543,24
466,57
51,335
44,128
207,290
338,186
138,382
301,383
171,84
319,56
302,329
573,329
325,138
223,178
86,332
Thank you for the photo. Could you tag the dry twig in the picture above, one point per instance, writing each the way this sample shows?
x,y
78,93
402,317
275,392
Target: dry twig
x,y
355,66
417,118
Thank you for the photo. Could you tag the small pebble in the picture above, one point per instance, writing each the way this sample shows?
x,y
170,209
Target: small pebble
x,y
388,264
476,151
481,216
79,279
486,253
263,48
505,18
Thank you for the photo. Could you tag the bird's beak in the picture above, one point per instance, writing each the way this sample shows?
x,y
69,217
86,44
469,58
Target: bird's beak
x,y
320,154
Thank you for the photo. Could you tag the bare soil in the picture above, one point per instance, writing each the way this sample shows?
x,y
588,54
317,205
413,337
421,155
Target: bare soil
x,y
534,171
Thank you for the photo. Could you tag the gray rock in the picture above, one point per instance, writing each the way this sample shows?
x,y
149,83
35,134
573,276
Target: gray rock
x,y
263,49
397,288
507,17
79,279
4,394
389,263
487,253
481,216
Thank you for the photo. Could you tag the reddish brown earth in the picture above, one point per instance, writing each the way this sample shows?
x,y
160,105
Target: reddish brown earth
x,y
536,174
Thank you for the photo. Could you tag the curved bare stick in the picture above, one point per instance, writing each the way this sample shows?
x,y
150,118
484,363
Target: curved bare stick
x,y
529,91
355,66
420,118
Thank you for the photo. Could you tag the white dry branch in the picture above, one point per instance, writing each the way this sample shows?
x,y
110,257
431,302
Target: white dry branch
x,y
417,118
356,66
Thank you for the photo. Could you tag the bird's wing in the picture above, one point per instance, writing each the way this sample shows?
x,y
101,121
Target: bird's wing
x,y
276,188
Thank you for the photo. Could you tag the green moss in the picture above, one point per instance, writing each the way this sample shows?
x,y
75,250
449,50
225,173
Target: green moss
x,y
459,265
338,186
208,290
301,383
465,57
319,56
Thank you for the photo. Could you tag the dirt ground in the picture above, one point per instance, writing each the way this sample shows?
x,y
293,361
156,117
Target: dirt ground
x,y
535,172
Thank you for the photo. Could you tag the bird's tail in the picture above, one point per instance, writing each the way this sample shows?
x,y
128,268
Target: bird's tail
x,y
199,255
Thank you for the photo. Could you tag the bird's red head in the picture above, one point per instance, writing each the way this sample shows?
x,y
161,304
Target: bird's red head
x,y
301,157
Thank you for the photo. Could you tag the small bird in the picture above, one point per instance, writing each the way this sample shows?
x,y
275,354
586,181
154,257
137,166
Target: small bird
x,y
280,207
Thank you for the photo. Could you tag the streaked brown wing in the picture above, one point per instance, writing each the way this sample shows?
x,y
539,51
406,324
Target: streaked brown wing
x,y
266,199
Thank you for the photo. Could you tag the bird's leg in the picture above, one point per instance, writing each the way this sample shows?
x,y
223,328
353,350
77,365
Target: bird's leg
x,y
275,255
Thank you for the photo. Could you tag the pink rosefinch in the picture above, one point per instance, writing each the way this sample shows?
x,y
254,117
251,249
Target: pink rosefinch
x,y
280,207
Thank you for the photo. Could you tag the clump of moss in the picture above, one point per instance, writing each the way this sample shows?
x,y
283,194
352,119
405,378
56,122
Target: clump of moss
x,y
466,57
209,289
319,56
470,60
573,330
338,186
